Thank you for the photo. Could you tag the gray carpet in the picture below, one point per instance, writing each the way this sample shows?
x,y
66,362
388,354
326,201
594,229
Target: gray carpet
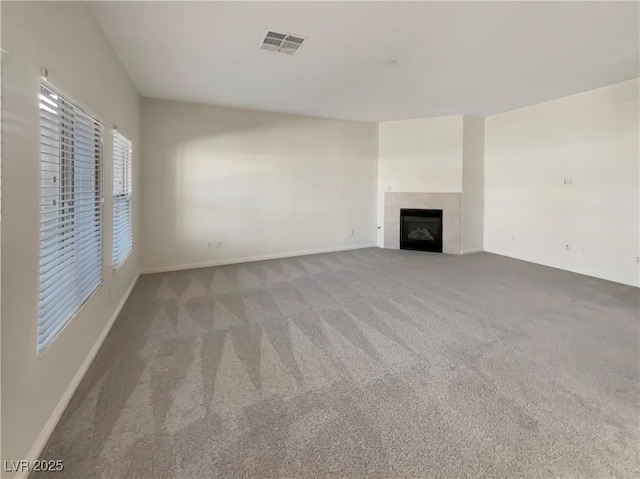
x,y
362,364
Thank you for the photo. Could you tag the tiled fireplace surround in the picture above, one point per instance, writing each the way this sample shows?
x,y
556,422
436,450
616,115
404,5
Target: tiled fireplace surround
x,y
449,203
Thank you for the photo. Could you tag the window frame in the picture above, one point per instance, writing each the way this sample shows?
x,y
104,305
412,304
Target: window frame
x,y
67,196
123,195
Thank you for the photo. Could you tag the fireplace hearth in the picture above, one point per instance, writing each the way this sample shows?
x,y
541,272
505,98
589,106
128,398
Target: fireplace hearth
x,y
421,230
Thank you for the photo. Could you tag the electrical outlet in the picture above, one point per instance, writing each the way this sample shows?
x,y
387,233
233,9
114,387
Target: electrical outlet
x,y
513,238
219,244
209,245
350,232
638,259
568,181
567,246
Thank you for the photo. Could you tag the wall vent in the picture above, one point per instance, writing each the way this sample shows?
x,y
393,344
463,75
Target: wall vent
x,y
282,42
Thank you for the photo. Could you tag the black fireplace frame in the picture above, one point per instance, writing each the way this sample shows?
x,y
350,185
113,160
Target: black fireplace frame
x,y
418,245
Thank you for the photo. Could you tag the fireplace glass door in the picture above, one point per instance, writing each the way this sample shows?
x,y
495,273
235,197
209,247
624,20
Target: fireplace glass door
x,y
421,230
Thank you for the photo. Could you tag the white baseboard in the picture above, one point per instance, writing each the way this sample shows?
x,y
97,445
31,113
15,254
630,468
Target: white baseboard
x,y
471,250
51,424
562,268
247,259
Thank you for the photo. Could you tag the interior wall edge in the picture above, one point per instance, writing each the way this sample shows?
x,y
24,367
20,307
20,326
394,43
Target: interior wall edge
x,y
247,259
561,268
50,425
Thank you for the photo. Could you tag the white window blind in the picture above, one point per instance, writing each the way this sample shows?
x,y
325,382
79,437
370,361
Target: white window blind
x,y
70,212
122,232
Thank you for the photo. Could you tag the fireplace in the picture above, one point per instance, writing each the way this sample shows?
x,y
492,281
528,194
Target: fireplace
x,y
421,230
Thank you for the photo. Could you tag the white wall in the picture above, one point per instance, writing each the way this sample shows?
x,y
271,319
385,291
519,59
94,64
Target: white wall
x,y
530,214
473,184
265,184
419,156
81,63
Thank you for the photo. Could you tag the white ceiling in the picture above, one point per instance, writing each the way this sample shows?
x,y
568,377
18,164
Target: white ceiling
x,y
475,58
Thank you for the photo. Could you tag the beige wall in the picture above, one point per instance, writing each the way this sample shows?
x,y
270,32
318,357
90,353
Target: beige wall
x,y
66,39
419,156
264,184
472,184
592,138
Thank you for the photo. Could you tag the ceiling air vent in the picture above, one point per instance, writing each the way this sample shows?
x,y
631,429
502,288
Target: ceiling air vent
x,y
282,42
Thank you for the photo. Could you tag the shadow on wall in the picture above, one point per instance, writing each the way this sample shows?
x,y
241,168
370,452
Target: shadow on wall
x,y
260,183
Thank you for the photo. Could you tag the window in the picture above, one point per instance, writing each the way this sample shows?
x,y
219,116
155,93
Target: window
x,y
70,212
122,233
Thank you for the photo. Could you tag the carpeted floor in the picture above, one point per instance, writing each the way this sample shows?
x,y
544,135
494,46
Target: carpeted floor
x,y
362,364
